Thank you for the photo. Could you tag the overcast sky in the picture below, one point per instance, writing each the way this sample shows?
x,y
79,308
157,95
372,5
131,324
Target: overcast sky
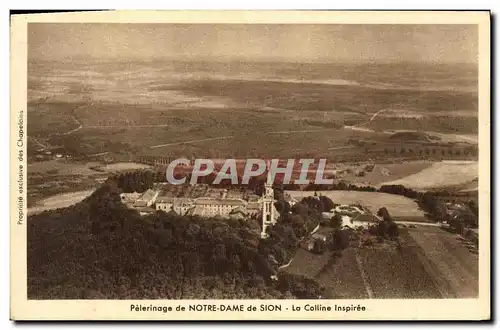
x,y
441,43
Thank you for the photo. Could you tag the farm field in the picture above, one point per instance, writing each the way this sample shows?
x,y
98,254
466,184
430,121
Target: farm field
x,y
54,177
66,180
315,263
452,265
62,167
430,264
340,275
397,274
213,109
116,167
60,201
382,173
440,175
398,206
432,123
67,168
342,279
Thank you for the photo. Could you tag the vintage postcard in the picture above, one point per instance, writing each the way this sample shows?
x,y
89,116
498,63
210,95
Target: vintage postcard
x,y
250,165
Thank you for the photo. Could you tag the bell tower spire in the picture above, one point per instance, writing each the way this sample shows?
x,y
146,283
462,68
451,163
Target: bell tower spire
x,y
267,201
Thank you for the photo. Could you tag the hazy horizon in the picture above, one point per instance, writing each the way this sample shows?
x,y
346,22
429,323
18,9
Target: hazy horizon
x,y
251,42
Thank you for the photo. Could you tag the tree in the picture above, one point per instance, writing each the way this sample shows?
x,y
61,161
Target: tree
x,y
473,207
392,230
327,203
336,221
340,239
382,228
384,214
458,225
299,226
313,204
300,209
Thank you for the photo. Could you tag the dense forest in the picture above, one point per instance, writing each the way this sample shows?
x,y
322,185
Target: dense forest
x,y
99,249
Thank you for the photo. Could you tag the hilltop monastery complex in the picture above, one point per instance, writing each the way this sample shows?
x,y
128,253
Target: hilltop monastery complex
x,y
204,201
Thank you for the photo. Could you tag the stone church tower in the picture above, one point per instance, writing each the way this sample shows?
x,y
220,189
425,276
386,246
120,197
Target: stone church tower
x,y
267,202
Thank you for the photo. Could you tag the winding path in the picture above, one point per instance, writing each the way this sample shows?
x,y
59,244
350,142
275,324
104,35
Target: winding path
x,y
75,119
80,126
39,143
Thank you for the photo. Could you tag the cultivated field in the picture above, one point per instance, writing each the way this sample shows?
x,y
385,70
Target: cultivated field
x,y
382,173
342,279
315,263
62,167
60,183
340,275
429,264
59,201
213,109
452,265
118,167
398,206
440,175
397,274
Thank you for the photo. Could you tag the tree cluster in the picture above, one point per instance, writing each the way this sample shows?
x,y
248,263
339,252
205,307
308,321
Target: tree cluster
x,y
387,228
399,190
341,185
138,181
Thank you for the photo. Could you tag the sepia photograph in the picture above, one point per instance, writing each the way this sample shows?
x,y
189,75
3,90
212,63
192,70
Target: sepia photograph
x,y
325,164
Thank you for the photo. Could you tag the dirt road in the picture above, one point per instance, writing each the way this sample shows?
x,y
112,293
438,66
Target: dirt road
x,y
190,141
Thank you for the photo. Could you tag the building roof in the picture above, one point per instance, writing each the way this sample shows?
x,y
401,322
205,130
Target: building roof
x,y
165,199
253,197
145,209
289,198
139,204
239,209
254,205
318,236
148,195
197,210
129,196
217,201
183,201
235,194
